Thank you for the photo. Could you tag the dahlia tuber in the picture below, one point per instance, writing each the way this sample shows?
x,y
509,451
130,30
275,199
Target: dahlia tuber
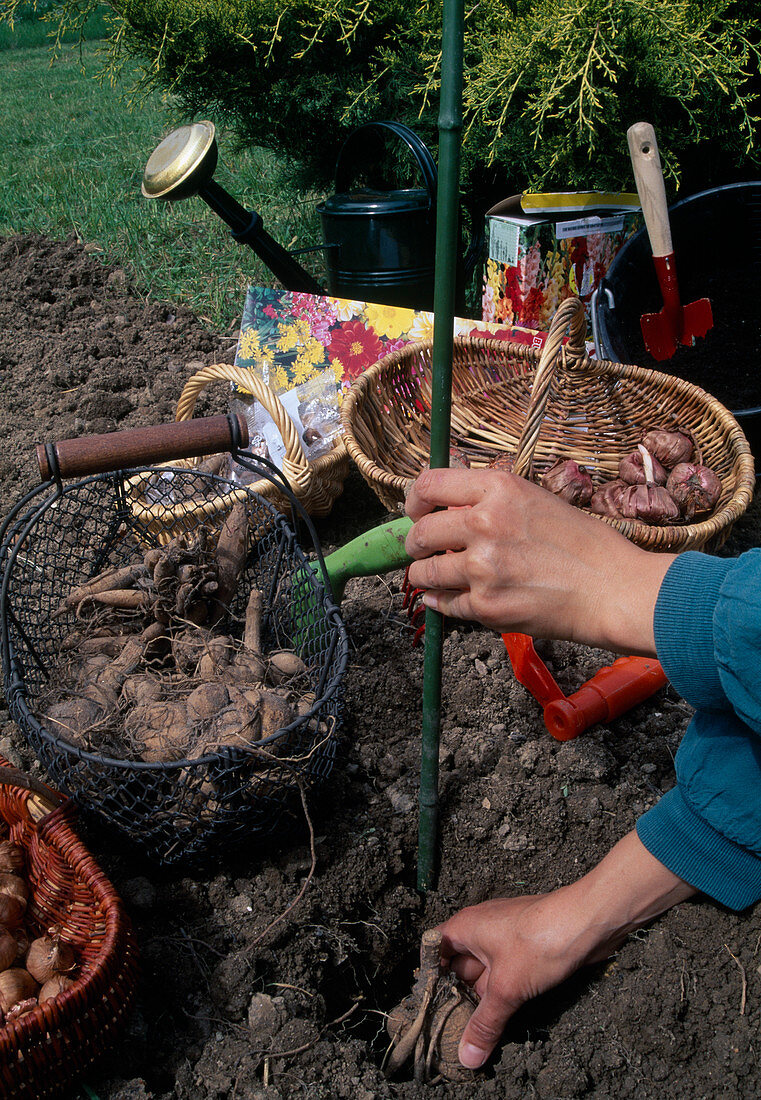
x,y
216,657
160,730
284,665
141,688
72,719
275,712
428,1024
108,581
189,646
206,701
230,557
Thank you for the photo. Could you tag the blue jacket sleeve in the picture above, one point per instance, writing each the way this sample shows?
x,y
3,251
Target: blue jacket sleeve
x,y
707,625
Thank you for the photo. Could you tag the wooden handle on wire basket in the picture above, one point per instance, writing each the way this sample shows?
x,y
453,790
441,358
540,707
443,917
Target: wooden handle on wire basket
x,y
569,316
99,454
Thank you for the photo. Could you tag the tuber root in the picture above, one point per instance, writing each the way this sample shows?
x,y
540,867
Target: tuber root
x,y
112,580
230,557
73,718
252,630
206,701
96,645
156,693
284,665
216,657
141,688
234,727
275,712
189,646
428,1024
161,729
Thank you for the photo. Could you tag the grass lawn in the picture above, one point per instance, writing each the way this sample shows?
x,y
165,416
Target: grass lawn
x,y
74,158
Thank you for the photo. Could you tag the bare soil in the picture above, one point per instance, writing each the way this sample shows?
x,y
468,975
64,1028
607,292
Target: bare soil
x,y
236,1003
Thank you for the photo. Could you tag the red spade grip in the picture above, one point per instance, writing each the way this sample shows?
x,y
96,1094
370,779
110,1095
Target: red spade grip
x,y
609,694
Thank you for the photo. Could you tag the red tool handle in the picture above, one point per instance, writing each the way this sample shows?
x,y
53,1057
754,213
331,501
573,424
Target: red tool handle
x,y
609,694
99,454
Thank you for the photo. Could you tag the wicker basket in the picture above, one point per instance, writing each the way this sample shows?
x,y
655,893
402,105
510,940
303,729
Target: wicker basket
x,y
542,406
315,484
44,1052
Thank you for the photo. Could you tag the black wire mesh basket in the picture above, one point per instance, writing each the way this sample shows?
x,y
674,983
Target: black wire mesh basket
x,y
61,535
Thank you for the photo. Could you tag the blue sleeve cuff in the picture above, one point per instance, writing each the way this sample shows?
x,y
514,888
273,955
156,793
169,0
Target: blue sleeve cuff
x,y
683,625
697,853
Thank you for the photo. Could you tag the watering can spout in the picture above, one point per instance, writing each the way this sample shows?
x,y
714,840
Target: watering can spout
x,y
183,164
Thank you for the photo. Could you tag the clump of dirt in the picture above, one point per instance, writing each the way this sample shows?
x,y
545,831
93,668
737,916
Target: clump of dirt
x,y
247,995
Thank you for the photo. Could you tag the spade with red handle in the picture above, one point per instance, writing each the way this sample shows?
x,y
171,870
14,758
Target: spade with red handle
x,y
675,323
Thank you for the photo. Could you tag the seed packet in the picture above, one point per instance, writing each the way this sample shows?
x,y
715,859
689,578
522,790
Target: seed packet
x,y
318,413
312,406
255,415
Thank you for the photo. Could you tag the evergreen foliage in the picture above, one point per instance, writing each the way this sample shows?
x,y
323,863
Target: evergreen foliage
x,y
550,85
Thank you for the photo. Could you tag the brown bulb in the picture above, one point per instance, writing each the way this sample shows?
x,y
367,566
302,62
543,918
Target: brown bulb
x,y
634,470
649,503
696,489
670,448
568,480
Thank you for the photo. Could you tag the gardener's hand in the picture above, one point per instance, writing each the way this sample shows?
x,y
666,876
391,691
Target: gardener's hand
x,y
523,560
512,949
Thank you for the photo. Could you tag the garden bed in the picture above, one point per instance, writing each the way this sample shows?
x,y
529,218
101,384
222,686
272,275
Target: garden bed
x,y
244,997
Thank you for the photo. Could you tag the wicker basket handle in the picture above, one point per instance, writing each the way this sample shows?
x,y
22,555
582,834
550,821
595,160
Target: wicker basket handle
x,y
569,316
42,799
296,468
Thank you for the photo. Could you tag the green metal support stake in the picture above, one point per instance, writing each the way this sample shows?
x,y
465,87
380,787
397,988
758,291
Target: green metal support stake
x,y
447,235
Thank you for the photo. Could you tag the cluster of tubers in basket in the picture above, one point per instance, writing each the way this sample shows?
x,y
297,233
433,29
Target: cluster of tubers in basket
x,y
32,969
152,672
661,482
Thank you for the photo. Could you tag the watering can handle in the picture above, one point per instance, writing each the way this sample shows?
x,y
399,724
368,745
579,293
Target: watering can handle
x,y
99,454
417,147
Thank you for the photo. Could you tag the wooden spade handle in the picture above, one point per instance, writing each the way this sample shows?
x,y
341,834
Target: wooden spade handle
x,y
648,174
99,454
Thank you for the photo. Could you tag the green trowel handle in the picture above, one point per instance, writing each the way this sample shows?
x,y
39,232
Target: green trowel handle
x,y
377,551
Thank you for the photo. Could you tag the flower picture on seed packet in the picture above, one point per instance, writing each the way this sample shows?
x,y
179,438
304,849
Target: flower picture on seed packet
x,y
299,336
309,349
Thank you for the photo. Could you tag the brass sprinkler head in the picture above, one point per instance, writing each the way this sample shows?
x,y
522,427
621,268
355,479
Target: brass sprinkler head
x,y
182,163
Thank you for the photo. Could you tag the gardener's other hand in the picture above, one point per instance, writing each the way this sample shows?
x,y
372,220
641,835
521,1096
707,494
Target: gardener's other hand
x,y
511,949
521,559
